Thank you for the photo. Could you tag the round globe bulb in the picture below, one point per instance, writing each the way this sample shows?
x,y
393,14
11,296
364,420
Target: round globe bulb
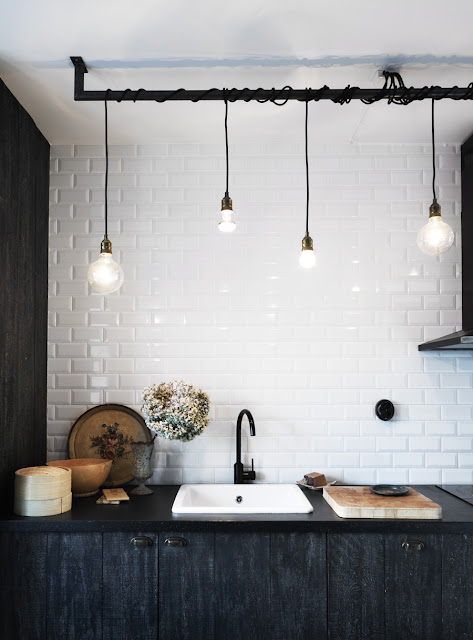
x,y
435,237
307,258
226,224
105,275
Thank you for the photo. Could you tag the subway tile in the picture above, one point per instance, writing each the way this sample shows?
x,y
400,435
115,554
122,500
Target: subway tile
x,y
392,476
310,368
457,476
87,365
409,460
457,444
86,397
120,396
425,476
357,476
440,460
102,381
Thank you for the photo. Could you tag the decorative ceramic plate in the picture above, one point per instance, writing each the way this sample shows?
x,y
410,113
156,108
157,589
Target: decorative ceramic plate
x,y
105,432
301,483
391,490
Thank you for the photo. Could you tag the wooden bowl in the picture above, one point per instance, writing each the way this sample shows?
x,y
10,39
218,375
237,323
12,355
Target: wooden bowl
x,y
88,474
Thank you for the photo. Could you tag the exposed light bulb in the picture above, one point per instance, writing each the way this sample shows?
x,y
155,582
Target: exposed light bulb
x,y
226,224
436,236
307,257
105,275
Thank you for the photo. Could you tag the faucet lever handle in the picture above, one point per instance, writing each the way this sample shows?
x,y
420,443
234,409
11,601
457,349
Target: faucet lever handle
x,y
250,474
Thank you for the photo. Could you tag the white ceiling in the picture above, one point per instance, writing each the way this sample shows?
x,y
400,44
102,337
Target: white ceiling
x,y
198,44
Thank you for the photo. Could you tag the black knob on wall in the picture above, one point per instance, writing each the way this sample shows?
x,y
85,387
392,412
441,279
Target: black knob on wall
x,y
384,409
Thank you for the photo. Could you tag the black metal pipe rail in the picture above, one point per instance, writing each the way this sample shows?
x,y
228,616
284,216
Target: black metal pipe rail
x,y
394,91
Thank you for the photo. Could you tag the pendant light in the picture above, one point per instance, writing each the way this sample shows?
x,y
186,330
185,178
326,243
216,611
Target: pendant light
x,y
307,257
436,236
226,224
105,275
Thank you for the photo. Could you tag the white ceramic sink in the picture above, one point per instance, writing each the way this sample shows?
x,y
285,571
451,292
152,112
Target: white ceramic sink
x,y
240,498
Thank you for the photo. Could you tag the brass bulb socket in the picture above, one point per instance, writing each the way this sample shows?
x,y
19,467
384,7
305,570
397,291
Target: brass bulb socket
x,y
106,245
307,243
227,204
435,209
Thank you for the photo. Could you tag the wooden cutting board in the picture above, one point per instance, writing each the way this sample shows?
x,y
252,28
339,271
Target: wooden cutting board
x,y
359,502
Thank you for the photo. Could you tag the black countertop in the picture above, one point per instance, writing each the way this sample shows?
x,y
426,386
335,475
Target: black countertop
x,y
153,513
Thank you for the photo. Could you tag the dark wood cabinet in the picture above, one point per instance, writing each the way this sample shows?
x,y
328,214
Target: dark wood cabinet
x,y
74,583
413,587
210,586
243,585
23,606
130,586
186,586
298,598
356,586
457,586
391,586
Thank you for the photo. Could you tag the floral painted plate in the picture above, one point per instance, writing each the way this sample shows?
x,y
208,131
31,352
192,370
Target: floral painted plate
x,y
105,432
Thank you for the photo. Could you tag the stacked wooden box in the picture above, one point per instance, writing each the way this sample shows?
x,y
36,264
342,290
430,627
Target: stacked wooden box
x,y
42,491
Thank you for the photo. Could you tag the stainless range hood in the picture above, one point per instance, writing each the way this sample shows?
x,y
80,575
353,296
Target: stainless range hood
x,y
462,340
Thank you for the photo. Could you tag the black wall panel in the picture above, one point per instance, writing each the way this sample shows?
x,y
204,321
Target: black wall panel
x,y
24,182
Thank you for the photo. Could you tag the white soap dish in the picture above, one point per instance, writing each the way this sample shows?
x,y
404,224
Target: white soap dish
x,y
301,483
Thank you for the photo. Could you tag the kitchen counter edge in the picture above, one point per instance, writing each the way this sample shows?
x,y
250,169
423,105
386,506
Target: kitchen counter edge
x,y
152,513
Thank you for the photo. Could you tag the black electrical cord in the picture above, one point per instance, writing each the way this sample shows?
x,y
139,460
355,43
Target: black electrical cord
x,y
394,91
433,152
307,168
226,144
106,169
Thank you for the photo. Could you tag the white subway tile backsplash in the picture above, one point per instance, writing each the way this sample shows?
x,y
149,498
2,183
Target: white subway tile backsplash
x,y
309,353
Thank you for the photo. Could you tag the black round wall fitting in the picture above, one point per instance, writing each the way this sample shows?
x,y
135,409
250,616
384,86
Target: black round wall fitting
x,y
384,409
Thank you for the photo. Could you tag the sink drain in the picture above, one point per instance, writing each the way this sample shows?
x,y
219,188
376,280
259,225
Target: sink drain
x,y
238,499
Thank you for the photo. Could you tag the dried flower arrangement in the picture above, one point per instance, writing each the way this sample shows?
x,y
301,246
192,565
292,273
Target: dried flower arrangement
x,y
176,410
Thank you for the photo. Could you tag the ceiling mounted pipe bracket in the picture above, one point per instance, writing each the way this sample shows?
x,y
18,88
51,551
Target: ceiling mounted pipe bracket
x,y
394,91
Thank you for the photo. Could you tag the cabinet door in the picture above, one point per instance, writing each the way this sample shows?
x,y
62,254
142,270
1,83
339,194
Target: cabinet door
x,y
298,599
457,586
130,586
243,586
74,586
186,586
356,586
413,601
22,586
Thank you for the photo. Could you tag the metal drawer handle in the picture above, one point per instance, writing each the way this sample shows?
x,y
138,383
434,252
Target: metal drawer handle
x,y
141,541
413,545
175,542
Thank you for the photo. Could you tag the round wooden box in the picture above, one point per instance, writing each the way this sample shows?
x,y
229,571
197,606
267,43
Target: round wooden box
x,y
42,491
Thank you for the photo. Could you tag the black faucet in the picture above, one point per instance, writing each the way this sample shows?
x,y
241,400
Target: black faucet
x,y
240,475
